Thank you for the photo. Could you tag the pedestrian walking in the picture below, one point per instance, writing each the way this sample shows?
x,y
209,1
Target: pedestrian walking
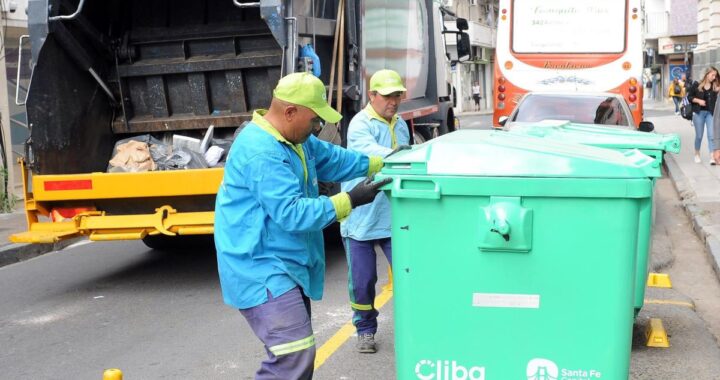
x,y
716,133
376,130
656,86
476,95
703,97
269,218
676,92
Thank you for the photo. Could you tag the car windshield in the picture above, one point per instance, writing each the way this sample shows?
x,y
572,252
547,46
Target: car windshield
x,y
575,108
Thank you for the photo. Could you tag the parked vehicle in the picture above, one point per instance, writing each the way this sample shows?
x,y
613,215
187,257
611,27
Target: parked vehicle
x,y
108,70
606,109
542,45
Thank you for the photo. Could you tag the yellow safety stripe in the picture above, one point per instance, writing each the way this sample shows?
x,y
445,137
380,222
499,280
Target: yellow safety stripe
x,y
391,125
289,348
361,307
267,127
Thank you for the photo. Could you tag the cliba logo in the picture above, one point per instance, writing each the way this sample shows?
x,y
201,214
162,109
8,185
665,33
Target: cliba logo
x,y
447,370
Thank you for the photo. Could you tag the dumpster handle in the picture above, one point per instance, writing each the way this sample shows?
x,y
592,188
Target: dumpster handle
x,y
501,226
506,226
424,193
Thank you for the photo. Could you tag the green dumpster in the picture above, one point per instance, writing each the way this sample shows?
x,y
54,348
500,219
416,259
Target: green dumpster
x,y
651,144
510,257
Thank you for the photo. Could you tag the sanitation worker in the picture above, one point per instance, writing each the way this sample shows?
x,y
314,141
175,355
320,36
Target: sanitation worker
x,y
376,130
269,219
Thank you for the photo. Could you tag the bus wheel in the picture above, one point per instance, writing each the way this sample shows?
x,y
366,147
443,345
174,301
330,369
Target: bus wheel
x,y
180,243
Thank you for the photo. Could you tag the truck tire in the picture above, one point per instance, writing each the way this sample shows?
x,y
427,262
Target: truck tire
x,y
446,117
180,243
419,136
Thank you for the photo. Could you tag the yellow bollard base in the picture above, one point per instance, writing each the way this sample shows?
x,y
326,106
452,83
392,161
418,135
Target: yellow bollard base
x,y
659,280
656,334
112,374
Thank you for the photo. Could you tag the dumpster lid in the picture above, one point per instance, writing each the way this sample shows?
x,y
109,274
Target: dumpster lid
x,y
503,154
606,137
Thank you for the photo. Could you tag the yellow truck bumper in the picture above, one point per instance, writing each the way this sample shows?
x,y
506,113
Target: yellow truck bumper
x,y
86,188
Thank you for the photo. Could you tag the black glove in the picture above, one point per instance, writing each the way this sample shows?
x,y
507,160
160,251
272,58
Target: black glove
x,y
365,191
398,148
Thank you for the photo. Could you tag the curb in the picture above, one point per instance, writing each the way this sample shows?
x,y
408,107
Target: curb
x,y
712,244
15,253
661,256
475,113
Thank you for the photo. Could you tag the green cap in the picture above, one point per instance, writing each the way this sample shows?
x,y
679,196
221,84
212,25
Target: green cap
x,y
304,89
385,82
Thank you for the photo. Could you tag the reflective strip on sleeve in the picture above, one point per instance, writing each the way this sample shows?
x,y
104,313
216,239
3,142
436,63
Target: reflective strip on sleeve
x,y
342,204
289,348
361,307
375,165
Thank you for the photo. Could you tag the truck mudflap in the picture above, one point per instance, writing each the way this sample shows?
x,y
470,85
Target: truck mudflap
x,y
82,191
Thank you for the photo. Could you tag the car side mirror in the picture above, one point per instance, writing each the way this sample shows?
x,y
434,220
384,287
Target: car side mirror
x,y
502,120
646,126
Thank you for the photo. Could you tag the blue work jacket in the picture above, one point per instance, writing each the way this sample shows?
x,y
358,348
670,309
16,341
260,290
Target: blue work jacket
x,y
269,216
369,133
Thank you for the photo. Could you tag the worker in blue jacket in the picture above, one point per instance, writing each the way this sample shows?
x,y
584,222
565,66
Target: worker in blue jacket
x,y
377,130
269,218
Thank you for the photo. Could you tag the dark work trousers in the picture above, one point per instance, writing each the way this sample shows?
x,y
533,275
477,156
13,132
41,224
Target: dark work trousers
x,y
362,277
677,100
283,325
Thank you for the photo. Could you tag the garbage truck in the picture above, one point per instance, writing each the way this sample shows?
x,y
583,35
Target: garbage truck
x,y
162,71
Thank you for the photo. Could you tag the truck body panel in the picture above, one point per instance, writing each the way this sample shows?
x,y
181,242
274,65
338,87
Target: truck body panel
x,y
162,67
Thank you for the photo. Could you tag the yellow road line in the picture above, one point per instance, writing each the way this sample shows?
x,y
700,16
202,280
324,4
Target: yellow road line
x,y
345,332
670,302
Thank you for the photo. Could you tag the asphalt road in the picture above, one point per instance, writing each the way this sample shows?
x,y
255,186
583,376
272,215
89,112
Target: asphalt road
x,y
475,121
156,315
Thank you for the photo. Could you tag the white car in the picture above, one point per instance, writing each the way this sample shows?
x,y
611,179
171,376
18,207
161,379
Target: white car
x,y
579,108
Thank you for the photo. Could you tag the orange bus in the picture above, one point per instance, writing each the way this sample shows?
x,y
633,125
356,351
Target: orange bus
x,y
568,46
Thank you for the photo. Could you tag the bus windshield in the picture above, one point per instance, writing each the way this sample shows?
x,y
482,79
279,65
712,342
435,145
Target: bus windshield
x,y
586,109
566,26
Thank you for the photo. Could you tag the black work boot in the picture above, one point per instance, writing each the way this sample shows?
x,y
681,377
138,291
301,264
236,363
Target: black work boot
x,y
366,343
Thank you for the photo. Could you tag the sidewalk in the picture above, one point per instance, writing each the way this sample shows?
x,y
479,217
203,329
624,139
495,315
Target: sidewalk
x,y
11,253
476,113
697,184
659,105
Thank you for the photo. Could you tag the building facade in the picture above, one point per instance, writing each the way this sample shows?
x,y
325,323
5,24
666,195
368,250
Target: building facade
x,y
707,52
482,20
671,36
12,116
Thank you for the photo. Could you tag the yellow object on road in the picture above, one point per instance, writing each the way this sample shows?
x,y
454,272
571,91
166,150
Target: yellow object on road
x,y
659,280
656,334
112,374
